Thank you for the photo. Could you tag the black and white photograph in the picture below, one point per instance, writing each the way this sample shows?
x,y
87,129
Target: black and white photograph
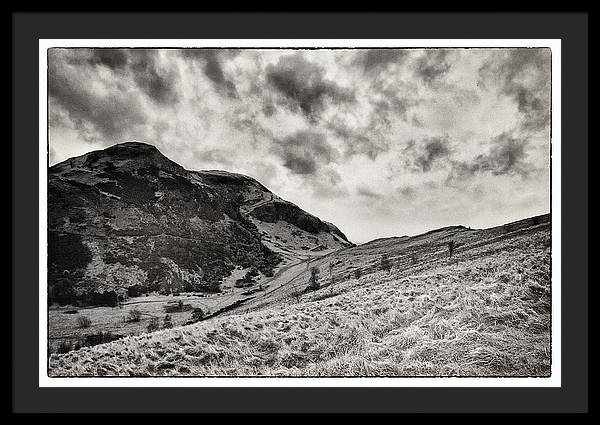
x,y
299,212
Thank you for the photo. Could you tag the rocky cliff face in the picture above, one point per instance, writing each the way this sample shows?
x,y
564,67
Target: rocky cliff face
x,y
127,220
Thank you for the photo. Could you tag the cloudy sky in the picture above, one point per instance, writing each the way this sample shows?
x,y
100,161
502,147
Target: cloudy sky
x,y
380,142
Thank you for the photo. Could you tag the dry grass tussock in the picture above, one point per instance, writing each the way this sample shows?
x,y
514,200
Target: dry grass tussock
x,y
489,316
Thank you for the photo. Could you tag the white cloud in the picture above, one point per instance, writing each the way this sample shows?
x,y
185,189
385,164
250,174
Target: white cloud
x,y
220,110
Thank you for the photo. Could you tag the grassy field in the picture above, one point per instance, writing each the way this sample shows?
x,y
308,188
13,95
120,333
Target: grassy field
x,y
485,311
64,330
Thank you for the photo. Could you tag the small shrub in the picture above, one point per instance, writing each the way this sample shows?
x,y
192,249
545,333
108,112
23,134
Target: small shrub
x,y
98,338
248,278
167,323
83,321
386,265
105,298
197,314
134,315
64,347
134,291
178,307
154,325
414,259
357,273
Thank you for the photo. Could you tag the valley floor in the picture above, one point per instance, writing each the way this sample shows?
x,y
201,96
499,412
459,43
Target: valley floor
x,y
485,311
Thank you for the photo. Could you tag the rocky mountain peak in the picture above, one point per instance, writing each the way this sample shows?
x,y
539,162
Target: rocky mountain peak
x,y
127,220
122,157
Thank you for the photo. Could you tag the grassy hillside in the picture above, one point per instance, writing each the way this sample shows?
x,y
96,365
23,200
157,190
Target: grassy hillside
x,y
484,311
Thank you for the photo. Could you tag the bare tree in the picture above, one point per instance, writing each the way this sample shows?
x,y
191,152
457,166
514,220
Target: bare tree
x,y
451,247
313,282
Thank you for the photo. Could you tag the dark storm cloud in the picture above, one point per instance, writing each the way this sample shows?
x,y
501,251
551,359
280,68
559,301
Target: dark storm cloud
x,y
392,101
524,75
392,105
304,86
159,84
426,153
506,156
305,152
432,65
359,141
213,69
300,164
107,112
111,58
248,122
378,59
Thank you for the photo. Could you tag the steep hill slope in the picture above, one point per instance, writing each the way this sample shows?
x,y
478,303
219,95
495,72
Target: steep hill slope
x,y
405,255
127,220
484,311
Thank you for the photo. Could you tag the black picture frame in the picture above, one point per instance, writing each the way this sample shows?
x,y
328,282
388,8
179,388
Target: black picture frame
x,y
28,28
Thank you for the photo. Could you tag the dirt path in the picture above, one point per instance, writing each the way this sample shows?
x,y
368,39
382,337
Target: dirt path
x,y
280,286
286,281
